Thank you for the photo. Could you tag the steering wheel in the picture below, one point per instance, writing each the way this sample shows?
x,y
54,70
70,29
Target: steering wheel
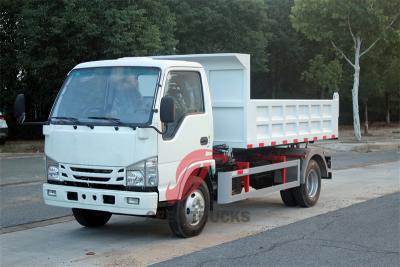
x,y
92,111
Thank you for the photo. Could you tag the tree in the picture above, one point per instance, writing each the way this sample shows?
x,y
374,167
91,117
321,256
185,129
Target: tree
x,y
288,52
357,25
10,22
55,35
326,76
371,84
222,26
391,80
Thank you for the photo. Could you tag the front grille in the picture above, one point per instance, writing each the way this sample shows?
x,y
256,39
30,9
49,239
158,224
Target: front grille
x,y
91,185
93,174
89,170
94,179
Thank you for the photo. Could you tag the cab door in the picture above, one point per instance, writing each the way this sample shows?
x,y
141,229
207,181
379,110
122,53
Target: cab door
x,y
187,139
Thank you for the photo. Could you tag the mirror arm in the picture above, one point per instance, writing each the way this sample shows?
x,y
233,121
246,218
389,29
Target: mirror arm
x,y
35,123
157,130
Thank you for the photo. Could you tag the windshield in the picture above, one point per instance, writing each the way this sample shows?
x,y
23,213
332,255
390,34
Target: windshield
x,y
108,94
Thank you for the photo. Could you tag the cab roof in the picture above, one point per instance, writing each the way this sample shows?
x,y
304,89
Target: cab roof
x,y
138,61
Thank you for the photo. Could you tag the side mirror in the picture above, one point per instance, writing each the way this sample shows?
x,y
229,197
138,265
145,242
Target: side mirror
x,y
19,108
167,109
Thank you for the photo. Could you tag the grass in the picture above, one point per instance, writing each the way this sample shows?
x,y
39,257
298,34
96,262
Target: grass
x,y
31,146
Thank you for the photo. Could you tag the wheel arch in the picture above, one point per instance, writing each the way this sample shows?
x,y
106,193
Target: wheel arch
x,y
206,172
322,164
318,156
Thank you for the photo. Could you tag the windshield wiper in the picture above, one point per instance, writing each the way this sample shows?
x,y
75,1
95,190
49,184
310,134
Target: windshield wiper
x,y
73,120
107,119
133,126
66,118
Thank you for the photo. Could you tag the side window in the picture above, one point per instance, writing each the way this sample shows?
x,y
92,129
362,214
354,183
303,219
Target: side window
x,y
185,88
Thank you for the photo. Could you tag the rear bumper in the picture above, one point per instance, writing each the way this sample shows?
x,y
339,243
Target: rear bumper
x,y
93,199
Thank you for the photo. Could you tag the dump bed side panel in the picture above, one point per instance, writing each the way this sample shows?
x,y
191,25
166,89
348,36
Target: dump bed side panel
x,y
277,122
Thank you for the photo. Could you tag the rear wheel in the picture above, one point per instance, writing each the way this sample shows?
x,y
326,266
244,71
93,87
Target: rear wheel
x,y
288,197
307,194
91,218
187,217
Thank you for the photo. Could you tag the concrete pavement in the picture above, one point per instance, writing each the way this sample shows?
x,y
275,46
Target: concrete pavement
x,y
21,168
365,234
21,202
128,241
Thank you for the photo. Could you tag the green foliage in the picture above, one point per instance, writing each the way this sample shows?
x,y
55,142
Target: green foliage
x,y
371,24
9,66
329,19
53,36
222,26
289,41
325,76
287,52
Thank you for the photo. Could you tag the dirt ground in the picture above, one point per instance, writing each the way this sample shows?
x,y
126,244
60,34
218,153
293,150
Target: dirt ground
x,y
378,132
31,146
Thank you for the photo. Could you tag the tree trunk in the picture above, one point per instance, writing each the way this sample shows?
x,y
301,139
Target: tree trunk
x,y
354,92
366,117
387,107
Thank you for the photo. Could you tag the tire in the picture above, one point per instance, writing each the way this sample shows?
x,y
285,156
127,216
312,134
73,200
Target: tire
x,y
288,197
91,218
197,203
2,141
307,194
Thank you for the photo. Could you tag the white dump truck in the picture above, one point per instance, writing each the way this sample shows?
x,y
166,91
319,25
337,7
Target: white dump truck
x,y
171,136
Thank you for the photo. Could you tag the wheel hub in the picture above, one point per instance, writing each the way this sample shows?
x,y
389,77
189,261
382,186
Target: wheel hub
x,y
194,207
312,184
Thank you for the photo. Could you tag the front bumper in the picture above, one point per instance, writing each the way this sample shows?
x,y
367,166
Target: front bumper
x,y
99,199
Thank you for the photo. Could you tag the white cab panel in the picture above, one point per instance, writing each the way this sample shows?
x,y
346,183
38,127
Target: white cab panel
x,y
100,146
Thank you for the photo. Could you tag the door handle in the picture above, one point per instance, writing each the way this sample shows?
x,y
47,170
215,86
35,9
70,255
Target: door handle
x,y
204,140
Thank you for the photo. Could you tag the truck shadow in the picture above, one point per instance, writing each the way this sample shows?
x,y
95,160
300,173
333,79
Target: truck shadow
x,y
141,228
126,228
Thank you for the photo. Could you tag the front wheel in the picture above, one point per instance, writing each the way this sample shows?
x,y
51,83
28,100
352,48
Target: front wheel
x,y
91,218
307,194
187,217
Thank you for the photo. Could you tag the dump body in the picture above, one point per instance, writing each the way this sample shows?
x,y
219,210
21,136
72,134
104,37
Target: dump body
x,y
242,122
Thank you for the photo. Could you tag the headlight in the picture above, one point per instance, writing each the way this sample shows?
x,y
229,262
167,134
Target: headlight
x,y
134,178
143,173
52,169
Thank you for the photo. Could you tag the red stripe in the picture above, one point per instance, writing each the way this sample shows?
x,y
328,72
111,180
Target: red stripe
x,y
249,146
333,136
324,137
284,142
295,140
273,143
261,145
239,171
305,139
315,138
